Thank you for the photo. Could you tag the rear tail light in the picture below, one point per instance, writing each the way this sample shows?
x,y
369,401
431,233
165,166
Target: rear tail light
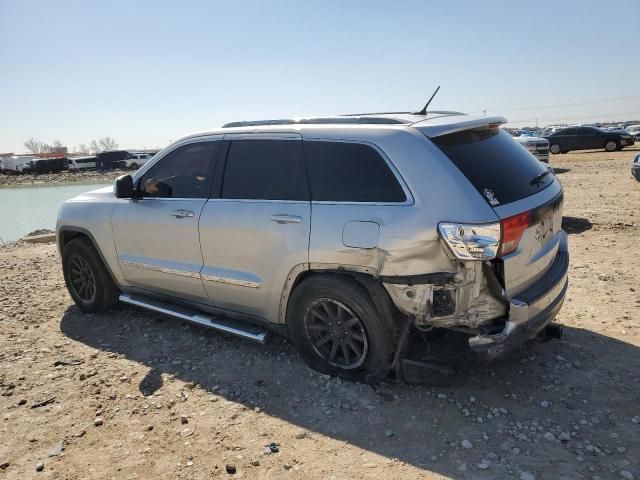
x,y
512,230
471,242
484,241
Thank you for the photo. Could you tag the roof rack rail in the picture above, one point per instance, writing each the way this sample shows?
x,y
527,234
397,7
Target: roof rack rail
x,y
343,119
380,118
437,112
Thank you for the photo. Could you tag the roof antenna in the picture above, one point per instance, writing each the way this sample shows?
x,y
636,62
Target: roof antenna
x,y
424,109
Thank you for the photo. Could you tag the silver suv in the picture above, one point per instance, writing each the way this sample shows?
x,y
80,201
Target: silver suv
x,y
345,234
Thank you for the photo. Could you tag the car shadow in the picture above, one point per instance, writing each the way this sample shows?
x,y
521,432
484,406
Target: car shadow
x,y
417,424
560,171
576,225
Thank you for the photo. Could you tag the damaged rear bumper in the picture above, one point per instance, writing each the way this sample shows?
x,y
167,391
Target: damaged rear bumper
x,y
529,312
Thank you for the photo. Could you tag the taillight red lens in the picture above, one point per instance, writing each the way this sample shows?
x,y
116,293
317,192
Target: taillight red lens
x,y
512,229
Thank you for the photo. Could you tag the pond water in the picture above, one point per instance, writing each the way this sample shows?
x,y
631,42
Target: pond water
x,y
24,209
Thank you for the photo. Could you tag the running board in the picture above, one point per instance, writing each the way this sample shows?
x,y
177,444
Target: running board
x,y
250,332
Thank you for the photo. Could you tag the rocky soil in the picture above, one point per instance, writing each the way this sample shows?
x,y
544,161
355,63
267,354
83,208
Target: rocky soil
x,y
64,177
136,395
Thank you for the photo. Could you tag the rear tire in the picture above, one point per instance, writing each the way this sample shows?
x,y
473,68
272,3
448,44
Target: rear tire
x,y
339,330
134,166
86,277
555,148
611,145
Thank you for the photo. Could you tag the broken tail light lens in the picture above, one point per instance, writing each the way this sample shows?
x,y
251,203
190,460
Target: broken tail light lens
x,y
471,241
512,230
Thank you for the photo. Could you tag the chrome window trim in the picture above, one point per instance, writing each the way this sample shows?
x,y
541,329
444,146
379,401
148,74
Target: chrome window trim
x,y
249,200
409,196
157,268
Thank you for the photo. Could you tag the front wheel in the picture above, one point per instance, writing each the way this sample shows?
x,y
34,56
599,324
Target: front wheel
x,y
86,277
555,148
338,329
611,146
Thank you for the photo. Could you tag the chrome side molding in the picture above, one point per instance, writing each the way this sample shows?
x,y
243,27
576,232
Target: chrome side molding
x,y
249,332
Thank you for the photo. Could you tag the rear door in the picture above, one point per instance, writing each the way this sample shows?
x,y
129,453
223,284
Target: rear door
x,y
512,181
355,195
156,236
255,229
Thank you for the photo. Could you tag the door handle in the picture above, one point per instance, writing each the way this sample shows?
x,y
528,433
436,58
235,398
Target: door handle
x,y
182,213
286,219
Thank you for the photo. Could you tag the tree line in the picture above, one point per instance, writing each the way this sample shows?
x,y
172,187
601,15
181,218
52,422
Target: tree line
x,y
35,145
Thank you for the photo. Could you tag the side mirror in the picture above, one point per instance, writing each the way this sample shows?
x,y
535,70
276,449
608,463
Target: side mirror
x,y
123,187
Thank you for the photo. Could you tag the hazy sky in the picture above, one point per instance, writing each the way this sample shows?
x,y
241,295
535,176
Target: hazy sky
x,y
147,72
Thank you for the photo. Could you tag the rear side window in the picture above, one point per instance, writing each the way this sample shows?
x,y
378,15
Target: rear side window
x,y
497,166
350,172
264,170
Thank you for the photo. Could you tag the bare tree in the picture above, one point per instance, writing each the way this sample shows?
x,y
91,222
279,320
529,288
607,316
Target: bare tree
x,y
94,147
107,143
82,148
33,145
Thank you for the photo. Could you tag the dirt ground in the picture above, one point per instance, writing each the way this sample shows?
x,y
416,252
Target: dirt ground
x,y
132,394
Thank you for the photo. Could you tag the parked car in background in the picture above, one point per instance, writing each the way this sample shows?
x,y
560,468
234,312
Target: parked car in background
x,y
635,131
136,160
635,167
112,159
15,164
538,147
325,230
82,163
587,138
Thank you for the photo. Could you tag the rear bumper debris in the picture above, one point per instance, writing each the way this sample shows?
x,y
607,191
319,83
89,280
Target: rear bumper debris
x,y
529,312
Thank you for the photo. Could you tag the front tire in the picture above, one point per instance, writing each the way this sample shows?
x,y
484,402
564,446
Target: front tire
x,y
339,330
555,148
611,145
86,277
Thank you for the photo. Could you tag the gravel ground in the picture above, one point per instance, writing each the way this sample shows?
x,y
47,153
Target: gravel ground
x,y
64,177
130,394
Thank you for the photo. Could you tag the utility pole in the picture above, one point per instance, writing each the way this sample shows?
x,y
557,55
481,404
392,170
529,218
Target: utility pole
x,y
484,113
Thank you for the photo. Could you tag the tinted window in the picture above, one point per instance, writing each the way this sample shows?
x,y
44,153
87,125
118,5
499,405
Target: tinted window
x,y
495,164
183,173
263,170
350,172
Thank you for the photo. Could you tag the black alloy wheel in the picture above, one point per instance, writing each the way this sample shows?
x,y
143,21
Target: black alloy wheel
x,y
82,279
336,333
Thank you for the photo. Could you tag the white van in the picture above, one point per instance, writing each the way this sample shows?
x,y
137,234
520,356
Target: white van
x,y
82,163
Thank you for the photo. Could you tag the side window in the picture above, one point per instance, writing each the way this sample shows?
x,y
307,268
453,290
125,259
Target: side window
x,y
350,172
264,170
183,173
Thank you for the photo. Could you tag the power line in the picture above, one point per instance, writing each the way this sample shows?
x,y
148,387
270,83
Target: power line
x,y
560,105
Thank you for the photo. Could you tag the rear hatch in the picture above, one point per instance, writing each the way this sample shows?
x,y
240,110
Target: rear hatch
x,y
522,191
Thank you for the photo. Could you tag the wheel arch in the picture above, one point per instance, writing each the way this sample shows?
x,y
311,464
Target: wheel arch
x,y
67,233
368,282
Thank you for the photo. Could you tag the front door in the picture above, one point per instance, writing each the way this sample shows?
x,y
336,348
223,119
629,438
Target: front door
x,y
156,235
255,230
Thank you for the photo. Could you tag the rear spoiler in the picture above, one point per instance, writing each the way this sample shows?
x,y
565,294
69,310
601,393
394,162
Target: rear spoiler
x,y
439,126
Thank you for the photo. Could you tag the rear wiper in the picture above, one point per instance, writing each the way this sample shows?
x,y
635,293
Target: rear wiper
x,y
539,177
